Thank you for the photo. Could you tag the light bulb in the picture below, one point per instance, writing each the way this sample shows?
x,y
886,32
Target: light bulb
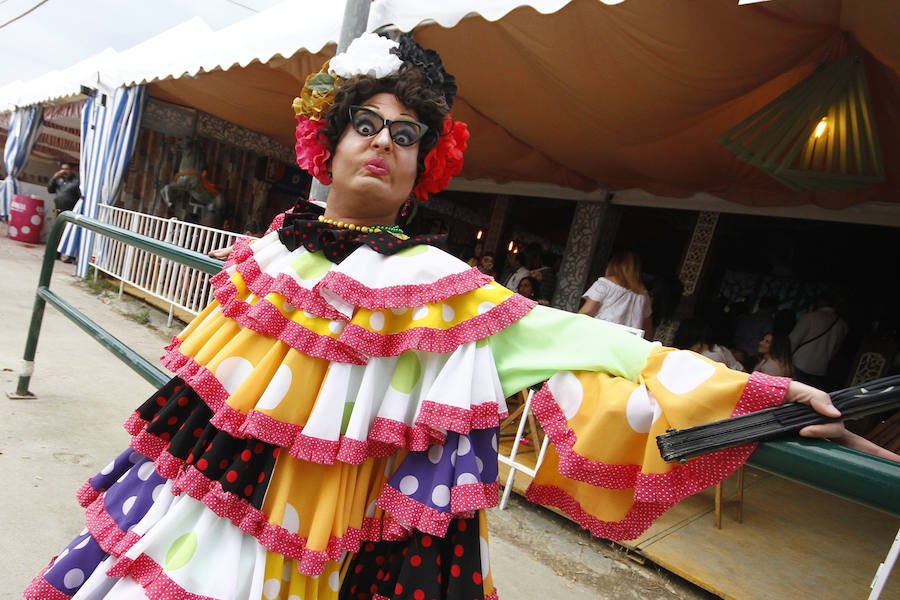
x,y
821,127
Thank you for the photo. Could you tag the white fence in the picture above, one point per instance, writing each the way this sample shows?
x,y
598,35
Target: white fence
x,y
175,284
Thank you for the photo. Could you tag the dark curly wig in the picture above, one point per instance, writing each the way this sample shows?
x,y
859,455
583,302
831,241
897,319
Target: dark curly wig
x,y
421,85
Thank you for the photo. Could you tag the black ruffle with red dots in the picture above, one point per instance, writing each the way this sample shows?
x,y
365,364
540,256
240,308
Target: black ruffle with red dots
x,y
302,228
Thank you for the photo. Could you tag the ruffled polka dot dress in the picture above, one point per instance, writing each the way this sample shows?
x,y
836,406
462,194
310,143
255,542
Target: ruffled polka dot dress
x,y
331,431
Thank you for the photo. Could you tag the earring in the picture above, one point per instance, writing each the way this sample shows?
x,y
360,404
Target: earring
x,y
406,205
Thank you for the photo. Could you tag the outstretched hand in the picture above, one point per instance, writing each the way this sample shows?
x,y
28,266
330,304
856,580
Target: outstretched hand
x,y
836,432
820,402
220,253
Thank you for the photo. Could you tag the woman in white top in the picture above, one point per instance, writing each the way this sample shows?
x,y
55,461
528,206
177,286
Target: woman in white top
x,y
620,296
775,356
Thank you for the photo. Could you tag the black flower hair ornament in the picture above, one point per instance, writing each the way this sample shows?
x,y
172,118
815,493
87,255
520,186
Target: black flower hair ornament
x,y
430,63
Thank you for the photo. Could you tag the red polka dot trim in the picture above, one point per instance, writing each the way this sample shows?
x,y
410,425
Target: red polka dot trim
x,y
414,515
262,284
474,496
401,435
106,531
151,576
41,590
356,342
438,340
460,420
278,221
87,494
264,318
402,296
637,521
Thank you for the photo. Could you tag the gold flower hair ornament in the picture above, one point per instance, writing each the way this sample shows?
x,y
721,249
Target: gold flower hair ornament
x,y
376,56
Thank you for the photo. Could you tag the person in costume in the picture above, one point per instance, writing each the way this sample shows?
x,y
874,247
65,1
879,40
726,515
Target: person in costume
x,y
331,429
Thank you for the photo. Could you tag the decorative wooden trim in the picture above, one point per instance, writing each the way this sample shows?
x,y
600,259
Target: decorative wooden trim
x,y
697,250
583,236
181,121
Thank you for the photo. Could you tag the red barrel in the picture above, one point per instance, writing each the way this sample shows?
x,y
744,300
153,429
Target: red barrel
x,y
26,217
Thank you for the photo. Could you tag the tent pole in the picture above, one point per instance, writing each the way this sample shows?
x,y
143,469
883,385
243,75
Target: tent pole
x,y
356,17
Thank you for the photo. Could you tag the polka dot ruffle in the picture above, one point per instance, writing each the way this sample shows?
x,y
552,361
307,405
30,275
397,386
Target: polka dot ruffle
x,y
402,296
558,408
428,339
384,438
344,289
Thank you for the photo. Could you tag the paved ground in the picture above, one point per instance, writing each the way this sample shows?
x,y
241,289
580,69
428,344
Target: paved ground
x,y
50,445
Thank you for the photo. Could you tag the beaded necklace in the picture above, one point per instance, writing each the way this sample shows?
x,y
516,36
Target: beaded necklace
x,y
394,229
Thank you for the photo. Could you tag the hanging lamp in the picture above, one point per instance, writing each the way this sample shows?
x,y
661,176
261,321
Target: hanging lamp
x,y
819,135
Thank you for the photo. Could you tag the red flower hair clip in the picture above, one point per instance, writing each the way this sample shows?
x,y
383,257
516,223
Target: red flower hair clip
x,y
312,150
445,160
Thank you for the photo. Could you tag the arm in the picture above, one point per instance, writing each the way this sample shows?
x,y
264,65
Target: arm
x,y
224,253
857,442
53,185
547,340
589,308
608,396
221,253
647,326
821,402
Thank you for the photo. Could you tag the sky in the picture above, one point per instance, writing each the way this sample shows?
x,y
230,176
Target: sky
x,y
37,36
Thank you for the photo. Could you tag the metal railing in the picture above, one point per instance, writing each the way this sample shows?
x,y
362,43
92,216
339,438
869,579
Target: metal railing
x,y
43,296
176,285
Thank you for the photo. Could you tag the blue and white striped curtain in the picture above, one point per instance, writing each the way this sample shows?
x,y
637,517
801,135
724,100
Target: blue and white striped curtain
x,y
24,130
108,137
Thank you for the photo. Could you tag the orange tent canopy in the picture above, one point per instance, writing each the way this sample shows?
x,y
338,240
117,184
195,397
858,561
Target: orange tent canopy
x,y
632,95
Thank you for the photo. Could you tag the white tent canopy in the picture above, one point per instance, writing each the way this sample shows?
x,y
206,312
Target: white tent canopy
x,y
285,29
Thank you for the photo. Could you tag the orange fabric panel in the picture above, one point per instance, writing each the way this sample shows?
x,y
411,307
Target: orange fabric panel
x,y
632,95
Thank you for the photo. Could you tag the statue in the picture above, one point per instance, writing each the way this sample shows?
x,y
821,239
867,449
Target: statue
x,y
191,196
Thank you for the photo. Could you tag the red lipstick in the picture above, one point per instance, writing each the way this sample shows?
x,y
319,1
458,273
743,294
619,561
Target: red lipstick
x,y
377,166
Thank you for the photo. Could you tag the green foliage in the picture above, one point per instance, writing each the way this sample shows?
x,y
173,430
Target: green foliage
x,y
141,316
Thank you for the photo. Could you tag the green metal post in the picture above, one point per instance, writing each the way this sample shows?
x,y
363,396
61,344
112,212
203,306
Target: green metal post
x,y
37,313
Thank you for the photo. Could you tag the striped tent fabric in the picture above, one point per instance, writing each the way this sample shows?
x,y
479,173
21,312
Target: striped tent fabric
x,y
24,130
108,137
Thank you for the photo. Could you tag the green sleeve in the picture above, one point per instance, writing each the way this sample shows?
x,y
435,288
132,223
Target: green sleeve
x,y
547,340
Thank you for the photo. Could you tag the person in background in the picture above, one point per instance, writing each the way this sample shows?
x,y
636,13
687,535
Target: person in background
x,y
542,273
527,287
816,339
774,353
750,329
487,265
477,254
620,296
696,335
66,187
516,270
